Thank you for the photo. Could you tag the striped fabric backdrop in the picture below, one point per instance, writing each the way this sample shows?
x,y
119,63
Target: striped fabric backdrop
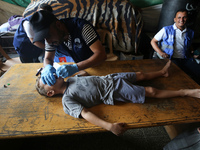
x,y
117,16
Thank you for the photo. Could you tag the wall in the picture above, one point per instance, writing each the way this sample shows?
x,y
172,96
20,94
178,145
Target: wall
x,y
7,10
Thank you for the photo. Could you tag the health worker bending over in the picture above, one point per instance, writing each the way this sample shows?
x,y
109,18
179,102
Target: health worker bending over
x,y
70,36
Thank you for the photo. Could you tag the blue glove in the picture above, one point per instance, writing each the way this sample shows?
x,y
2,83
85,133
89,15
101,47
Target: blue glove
x,y
47,75
66,70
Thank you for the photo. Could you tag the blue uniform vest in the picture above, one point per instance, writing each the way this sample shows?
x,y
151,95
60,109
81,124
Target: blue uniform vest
x,y
80,50
168,42
23,45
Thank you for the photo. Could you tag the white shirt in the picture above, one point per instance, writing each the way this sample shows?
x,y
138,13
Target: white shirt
x,y
28,29
178,41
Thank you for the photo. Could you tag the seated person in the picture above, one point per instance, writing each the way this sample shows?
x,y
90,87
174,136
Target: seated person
x,y
175,43
188,140
82,92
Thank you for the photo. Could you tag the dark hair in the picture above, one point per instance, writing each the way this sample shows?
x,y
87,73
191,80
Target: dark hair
x,y
46,7
181,10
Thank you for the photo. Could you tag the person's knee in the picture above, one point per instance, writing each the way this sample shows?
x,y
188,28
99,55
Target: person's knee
x,y
198,129
139,76
150,91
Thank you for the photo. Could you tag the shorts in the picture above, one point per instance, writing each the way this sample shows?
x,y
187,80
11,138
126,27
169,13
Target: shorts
x,y
125,90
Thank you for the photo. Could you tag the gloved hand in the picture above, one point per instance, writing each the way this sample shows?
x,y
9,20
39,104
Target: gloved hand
x,y
47,75
66,70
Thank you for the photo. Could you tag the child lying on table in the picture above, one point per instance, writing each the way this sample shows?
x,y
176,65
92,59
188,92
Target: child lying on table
x,y
82,92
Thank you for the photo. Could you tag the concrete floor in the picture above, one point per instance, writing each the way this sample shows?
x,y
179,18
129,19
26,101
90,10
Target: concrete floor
x,y
154,138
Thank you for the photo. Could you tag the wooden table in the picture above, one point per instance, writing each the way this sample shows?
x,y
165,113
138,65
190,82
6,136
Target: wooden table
x,y
25,113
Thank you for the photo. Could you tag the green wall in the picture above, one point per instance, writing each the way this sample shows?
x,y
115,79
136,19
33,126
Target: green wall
x,y
22,3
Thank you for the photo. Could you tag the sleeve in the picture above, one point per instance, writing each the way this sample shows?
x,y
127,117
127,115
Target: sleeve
x,y
89,34
160,35
28,29
72,107
48,47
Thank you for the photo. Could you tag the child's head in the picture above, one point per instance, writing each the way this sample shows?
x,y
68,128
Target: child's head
x,y
40,88
46,90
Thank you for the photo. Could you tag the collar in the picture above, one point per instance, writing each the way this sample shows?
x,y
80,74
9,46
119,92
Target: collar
x,y
175,28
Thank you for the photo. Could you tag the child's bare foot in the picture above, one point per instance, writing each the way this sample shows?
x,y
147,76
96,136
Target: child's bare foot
x,y
192,92
165,69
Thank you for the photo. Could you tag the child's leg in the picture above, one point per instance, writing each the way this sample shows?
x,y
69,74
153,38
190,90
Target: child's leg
x,y
152,75
156,93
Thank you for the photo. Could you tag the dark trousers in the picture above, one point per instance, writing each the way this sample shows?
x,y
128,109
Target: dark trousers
x,y
28,52
190,67
189,140
29,60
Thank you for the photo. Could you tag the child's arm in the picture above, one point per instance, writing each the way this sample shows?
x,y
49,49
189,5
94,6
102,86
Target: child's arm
x,y
116,128
82,73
